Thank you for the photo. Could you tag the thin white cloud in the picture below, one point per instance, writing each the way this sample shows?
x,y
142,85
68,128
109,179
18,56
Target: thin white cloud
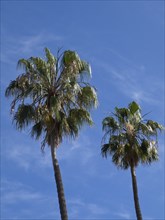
x,y
27,158
134,82
97,209
133,88
85,209
14,192
29,44
30,157
13,46
79,148
123,213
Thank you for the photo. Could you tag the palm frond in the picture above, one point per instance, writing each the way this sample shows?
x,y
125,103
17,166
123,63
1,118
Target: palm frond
x,y
25,65
154,126
109,123
85,71
12,88
105,149
134,107
87,97
50,58
36,130
24,115
80,116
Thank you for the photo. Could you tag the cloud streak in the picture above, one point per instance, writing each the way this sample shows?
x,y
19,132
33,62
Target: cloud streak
x,y
80,209
16,194
28,157
25,45
132,80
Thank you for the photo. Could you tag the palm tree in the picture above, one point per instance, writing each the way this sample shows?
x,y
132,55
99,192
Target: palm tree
x,y
53,98
130,140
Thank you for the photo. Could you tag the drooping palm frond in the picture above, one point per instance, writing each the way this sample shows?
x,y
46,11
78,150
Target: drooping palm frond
x,y
37,129
24,116
87,97
12,88
109,123
79,117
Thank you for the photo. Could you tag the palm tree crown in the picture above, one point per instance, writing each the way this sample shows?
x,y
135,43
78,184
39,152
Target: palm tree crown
x,y
52,96
129,138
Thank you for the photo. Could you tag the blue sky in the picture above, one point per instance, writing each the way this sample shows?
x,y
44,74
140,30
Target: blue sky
x,y
124,43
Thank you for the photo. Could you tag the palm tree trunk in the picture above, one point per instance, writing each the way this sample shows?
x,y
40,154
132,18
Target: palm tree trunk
x,y
135,193
59,184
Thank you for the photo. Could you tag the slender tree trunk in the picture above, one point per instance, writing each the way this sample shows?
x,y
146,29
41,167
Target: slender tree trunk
x,y
135,194
59,184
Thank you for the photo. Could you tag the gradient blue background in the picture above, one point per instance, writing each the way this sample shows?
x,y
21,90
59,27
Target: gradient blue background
x,y
124,43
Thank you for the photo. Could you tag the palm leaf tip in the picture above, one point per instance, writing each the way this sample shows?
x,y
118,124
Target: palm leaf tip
x,y
86,68
105,150
109,123
134,107
36,130
11,89
50,58
154,126
88,97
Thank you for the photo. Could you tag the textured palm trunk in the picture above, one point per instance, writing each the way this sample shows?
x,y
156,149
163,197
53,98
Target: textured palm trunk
x,y
135,193
59,184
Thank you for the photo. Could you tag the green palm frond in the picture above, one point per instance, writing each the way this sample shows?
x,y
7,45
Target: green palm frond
x,y
149,152
87,97
133,107
37,130
85,68
24,115
79,117
154,126
50,58
109,123
25,65
71,57
105,149
12,89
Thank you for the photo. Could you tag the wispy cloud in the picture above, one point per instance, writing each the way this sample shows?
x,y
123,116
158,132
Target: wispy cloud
x,y
26,157
132,80
80,146
28,44
85,210
123,213
15,193
13,46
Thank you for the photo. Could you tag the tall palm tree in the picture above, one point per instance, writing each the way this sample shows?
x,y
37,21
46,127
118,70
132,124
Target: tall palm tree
x,y
53,98
130,140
